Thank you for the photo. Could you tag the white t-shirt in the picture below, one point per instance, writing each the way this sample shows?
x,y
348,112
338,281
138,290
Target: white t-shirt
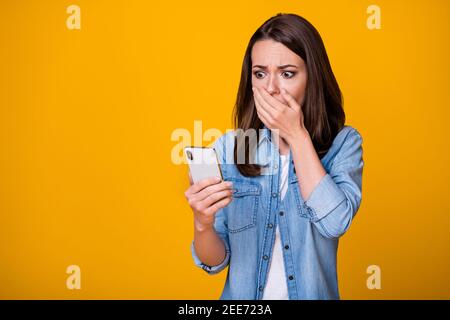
x,y
276,286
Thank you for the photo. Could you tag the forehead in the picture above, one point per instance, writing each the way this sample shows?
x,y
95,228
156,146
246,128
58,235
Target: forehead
x,y
270,52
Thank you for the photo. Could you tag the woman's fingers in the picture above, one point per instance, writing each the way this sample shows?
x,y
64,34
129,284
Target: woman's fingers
x,y
271,101
200,185
207,196
263,114
206,192
213,198
218,205
290,100
262,103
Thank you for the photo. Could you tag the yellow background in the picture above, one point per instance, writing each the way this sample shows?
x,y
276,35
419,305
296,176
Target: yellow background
x,y
86,117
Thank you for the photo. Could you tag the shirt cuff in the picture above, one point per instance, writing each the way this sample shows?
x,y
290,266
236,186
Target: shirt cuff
x,y
325,197
211,269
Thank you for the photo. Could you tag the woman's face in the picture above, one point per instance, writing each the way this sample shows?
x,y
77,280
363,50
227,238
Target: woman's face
x,y
274,66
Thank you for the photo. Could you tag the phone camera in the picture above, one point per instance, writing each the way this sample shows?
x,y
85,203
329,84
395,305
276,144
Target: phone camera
x,y
189,155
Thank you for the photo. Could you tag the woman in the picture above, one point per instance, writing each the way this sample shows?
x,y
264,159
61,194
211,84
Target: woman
x,y
276,221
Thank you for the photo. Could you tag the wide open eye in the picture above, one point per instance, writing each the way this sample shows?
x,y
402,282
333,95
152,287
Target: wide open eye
x,y
288,74
259,74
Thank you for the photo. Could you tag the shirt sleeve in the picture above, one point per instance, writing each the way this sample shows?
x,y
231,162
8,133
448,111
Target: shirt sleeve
x,y
220,223
334,202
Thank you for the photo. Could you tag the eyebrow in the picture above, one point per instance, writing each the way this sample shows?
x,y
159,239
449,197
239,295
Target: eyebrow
x,y
284,66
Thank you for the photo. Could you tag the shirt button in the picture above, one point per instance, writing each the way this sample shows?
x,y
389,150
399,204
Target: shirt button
x,y
260,288
270,226
286,247
265,257
281,213
275,166
274,194
291,277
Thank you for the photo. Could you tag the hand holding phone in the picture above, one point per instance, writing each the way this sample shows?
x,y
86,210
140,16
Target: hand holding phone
x,y
208,192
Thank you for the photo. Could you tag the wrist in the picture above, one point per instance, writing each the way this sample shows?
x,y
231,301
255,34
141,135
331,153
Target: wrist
x,y
200,227
299,137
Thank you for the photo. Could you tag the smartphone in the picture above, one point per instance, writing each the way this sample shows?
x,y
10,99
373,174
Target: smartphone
x,y
203,163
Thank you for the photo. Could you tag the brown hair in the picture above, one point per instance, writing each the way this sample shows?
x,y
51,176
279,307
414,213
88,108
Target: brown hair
x,y
322,105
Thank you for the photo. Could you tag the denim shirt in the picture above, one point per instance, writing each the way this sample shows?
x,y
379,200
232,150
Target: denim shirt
x,y
309,229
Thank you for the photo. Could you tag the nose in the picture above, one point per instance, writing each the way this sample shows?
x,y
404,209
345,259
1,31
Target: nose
x,y
272,85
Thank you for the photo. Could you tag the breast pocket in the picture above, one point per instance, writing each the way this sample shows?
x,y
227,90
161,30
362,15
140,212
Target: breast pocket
x,y
244,206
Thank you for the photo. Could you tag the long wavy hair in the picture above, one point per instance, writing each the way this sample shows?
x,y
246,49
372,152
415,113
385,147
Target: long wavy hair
x,y
322,106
